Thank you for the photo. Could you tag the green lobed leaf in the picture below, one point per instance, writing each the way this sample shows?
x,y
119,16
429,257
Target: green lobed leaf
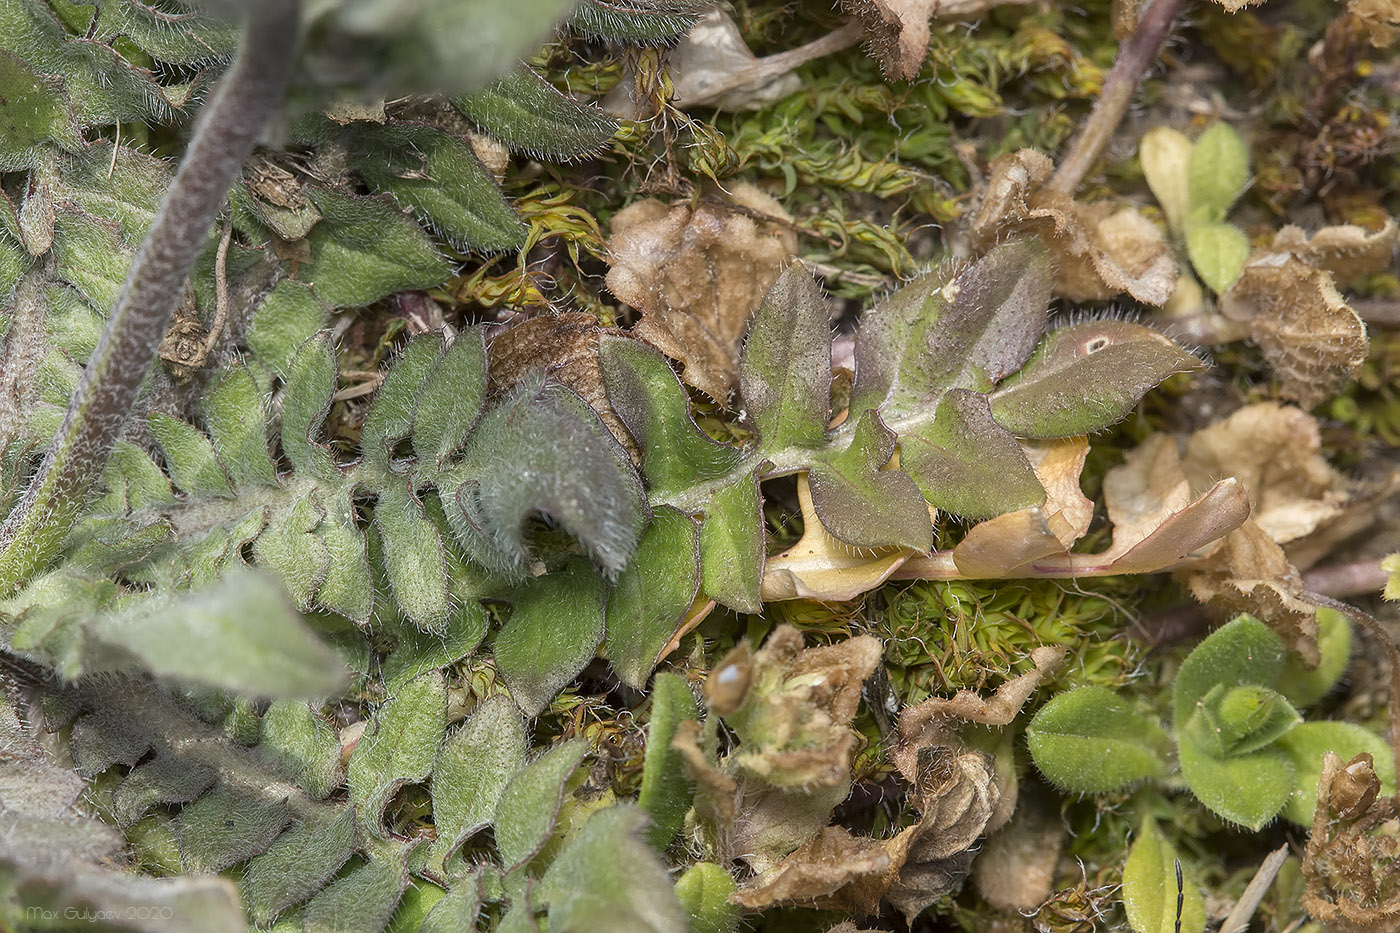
x,y
303,745
704,891
667,791
413,558
239,634
299,863
606,877
524,111
1248,789
971,332
418,652
439,178
967,464
1217,173
1218,253
640,22
189,456
306,400
34,110
473,768
1084,377
1308,742
361,902
652,595
530,803
1150,888
785,372
235,413
864,505
450,402
651,402
732,545
556,624
399,746
226,826
363,249
1090,741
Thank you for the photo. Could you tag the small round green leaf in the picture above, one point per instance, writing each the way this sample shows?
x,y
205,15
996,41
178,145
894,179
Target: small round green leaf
x,y
1091,741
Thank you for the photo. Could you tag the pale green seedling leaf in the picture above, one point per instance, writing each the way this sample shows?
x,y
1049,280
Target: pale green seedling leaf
x,y
1243,651
1304,687
288,317
1084,377
1248,789
606,877
417,903
455,912
555,627
1150,888
667,791
652,595
1217,173
390,417
473,768
306,400
1090,741
1238,720
240,634
530,803
1307,743
785,372
864,505
1165,154
704,891
1218,253
398,746
413,557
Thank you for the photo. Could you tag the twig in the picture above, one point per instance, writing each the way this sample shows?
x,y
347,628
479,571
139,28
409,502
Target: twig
x,y
220,287
35,530
1134,58
1254,892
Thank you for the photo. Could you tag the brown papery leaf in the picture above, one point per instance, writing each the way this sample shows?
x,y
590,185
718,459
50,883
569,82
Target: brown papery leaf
x,y
697,275
1311,339
1099,250
1016,870
566,347
1250,573
1381,19
1348,252
897,31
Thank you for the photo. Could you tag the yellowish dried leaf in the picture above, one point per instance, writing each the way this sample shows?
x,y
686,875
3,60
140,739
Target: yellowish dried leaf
x,y
1381,19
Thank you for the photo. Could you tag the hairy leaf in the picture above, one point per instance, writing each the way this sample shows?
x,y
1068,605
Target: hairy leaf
x,y
785,374
731,545
652,595
399,745
226,826
361,902
364,249
1150,887
555,626
530,803
298,864
666,792
473,768
704,891
526,113
1307,743
1090,741
864,505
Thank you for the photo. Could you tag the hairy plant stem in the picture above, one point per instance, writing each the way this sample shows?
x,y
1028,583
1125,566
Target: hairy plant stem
x,y
1135,56
35,531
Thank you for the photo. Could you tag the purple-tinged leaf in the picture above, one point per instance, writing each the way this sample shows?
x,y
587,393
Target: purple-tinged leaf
x,y
785,375
864,505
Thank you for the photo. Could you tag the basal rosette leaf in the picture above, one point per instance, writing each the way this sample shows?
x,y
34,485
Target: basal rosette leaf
x,y
785,373
863,504
732,551
654,590
525,112
1084,377
645,22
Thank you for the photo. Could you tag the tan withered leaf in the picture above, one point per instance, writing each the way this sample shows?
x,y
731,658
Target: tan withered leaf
x,y
897,31
1348,252
1099,250
1250,573
1276,452
566,347
1381,19
1309,336
790,709
697,275
1016,869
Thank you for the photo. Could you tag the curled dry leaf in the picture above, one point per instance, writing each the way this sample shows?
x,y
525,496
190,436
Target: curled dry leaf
x,y
897,31
697,274
1348,252
790,709
1381,19
1289,305
1016,870
1099,250
566,347
1349,867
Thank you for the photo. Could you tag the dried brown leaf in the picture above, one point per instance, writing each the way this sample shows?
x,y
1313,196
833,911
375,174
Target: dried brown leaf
x,y
1016,870
1311,339
897,31
566,347
1099,250
1250,573
1381,19
697,275
1347,252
